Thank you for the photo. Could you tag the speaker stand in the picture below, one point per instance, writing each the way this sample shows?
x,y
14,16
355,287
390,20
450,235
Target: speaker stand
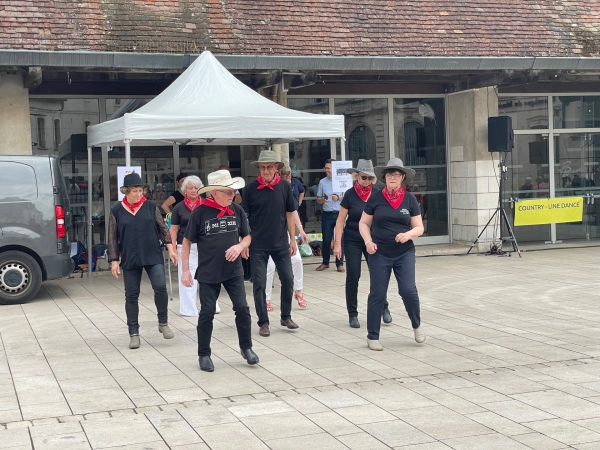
x,y
503,217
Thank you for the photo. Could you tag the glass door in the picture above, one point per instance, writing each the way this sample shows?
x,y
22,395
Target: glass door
x,y
576,174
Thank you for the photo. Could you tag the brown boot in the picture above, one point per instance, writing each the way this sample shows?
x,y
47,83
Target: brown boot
x,y
322,267
264,330
289,323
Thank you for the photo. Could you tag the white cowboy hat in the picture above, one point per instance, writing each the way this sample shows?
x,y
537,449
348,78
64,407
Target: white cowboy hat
x,y
221,179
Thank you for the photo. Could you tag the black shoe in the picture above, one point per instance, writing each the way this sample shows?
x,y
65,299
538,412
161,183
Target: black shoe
x,y
250,356
206,364
354,322
387,317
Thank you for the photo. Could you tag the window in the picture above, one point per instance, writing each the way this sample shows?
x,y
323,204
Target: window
x,y
56,134
41,132
18,183
361,144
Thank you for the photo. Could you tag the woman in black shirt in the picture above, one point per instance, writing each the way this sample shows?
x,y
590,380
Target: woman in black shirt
x,y
352,207
179,221
176,197
389,224
135,227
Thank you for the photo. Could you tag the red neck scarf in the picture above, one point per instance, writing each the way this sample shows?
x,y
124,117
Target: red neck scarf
x,y
362,191
132,206
263,184
189,205
394,198
208,201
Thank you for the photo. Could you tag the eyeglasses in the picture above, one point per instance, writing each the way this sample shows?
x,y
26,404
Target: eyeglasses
x,y
267,168
366,177
228,193
394,174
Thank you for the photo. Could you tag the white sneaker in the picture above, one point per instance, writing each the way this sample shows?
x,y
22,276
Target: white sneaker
x,y
419,335
374,345
217,309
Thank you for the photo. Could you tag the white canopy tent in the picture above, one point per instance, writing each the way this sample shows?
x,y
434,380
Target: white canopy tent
x,y
207,105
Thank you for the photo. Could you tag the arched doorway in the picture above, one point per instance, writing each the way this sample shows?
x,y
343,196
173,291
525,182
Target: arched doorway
x,y
362,145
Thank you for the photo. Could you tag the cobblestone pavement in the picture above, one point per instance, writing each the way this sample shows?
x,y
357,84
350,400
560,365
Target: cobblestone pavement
x,y
511,361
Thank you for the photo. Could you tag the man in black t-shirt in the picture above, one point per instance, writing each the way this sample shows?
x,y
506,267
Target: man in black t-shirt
x,y
269,203
217,227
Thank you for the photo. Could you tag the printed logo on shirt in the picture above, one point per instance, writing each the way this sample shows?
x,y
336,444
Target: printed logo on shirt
x,y
221,225
404,211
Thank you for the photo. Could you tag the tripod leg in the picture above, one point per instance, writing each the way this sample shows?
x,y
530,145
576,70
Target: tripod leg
x,y
482,231
515,245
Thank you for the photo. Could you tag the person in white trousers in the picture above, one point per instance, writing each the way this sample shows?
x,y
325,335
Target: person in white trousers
x,y
297,269
179,220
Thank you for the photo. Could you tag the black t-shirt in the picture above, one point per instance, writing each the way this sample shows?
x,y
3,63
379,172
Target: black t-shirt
x,y
178,196
266,211
180,216
214,235
388,222
355,206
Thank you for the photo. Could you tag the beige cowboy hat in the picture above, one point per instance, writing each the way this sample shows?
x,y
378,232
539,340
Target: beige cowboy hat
x,y
364,166
267,156
221,179
395,164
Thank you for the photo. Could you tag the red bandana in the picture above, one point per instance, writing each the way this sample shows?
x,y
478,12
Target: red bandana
x,y
134,205
208,201
189,205
263,184
394,198
363,191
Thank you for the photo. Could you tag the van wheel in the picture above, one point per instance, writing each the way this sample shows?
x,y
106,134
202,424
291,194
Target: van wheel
x,y
20,277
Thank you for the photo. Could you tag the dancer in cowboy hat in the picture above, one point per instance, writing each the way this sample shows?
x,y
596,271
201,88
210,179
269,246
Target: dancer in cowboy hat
x,y
351,208
389,224
269,203
220,229
134,229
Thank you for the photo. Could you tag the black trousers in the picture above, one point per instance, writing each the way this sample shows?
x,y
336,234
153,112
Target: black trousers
x,y
133,278
209,293
380,268
283,263
328,227
354,251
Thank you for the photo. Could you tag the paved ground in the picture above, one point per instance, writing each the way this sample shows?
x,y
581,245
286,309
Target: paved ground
x,y
512,361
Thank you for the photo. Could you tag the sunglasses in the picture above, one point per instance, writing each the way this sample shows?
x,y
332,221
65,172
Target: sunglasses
x,y
228,193
366,177
267,168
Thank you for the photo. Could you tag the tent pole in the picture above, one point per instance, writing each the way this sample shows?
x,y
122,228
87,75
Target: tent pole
x,y
343,148
127,152
89,213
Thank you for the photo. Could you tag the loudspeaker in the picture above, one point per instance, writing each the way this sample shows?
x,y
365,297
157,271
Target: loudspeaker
x,y
500,134
538,152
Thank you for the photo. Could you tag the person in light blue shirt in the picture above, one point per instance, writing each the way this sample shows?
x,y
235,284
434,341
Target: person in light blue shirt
x,y
331,209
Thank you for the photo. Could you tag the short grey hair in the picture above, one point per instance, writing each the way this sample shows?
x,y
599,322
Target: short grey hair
x,y
193,180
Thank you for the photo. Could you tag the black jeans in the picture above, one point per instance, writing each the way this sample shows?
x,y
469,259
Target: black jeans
x,y
354,252
133,278
328,226
380,268
283,263
209,293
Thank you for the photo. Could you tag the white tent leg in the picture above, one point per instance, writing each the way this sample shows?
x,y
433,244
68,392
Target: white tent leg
x,y
127,152
343,148
89,213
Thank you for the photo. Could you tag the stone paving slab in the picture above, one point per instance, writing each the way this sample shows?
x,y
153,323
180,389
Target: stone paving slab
x,y
511,361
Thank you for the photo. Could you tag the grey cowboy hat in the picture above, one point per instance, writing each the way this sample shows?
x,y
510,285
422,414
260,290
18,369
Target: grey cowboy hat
x,y
395,164
221,179
133,179
267,156
364,166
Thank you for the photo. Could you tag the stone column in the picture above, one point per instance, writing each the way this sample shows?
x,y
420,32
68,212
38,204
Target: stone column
x,y
473,184
15,128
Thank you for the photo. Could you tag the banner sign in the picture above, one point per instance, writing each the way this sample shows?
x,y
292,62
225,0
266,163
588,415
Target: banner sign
x,y
341,179
545,211
126,170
